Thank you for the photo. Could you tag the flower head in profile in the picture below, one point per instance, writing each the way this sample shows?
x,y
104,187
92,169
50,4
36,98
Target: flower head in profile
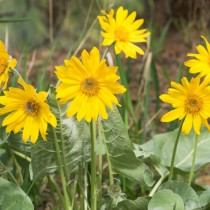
x,y
6,62
26,109
201,61
123,31
90,84
191,102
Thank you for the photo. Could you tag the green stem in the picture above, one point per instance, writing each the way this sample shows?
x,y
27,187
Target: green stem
x,y
93,165
193,161
21,155
9,173
157,185
61,171
174,152
17,167
100,168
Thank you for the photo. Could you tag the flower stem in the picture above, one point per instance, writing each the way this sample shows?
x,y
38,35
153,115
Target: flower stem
x,y
93,165
193,161
174,152
61,171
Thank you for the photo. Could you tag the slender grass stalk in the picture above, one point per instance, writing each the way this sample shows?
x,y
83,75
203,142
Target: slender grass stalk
x,y
193,161
51,21
93,165
16,73
128,106
174,151
54,186
86,206
61,171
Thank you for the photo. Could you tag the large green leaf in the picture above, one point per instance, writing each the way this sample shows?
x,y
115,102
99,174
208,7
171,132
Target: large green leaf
x,y
186,192
204,199
120,152
76,137
166,200
139,203
12,197
162,145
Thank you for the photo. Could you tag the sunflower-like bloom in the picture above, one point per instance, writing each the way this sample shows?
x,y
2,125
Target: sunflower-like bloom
x,y
6,62
90,84
191,102
201,62
28,110
123,31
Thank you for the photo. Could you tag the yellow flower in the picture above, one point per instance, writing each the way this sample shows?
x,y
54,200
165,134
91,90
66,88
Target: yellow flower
x,y
191,102
28,110
6,62
201,62
123,31
90,84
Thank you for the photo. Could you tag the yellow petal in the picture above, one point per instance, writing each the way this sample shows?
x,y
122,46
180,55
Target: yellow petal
x,y
197,123
187,125
172,115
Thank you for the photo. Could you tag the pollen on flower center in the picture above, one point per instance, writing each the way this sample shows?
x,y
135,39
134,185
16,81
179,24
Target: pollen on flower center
x,y
121,34
3,65
32,107
193,104
90,86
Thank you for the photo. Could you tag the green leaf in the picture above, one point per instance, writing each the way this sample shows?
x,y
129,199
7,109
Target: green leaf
x,y
76,138
12,197
204,198
15,20
139,203
162,145
186,192
3,135
166,200
120,152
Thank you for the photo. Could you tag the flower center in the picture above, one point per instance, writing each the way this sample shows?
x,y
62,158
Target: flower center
x,y
32,107
121,34
3,65
193,104
90,86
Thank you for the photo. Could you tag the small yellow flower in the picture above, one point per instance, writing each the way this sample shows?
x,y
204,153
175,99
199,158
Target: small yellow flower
x,y
90,84
28,110
6,62
201,62
123,31
191,102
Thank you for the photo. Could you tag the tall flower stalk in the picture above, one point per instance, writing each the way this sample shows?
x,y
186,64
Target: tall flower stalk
x,y
193,161
93,166
190,101
90,85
